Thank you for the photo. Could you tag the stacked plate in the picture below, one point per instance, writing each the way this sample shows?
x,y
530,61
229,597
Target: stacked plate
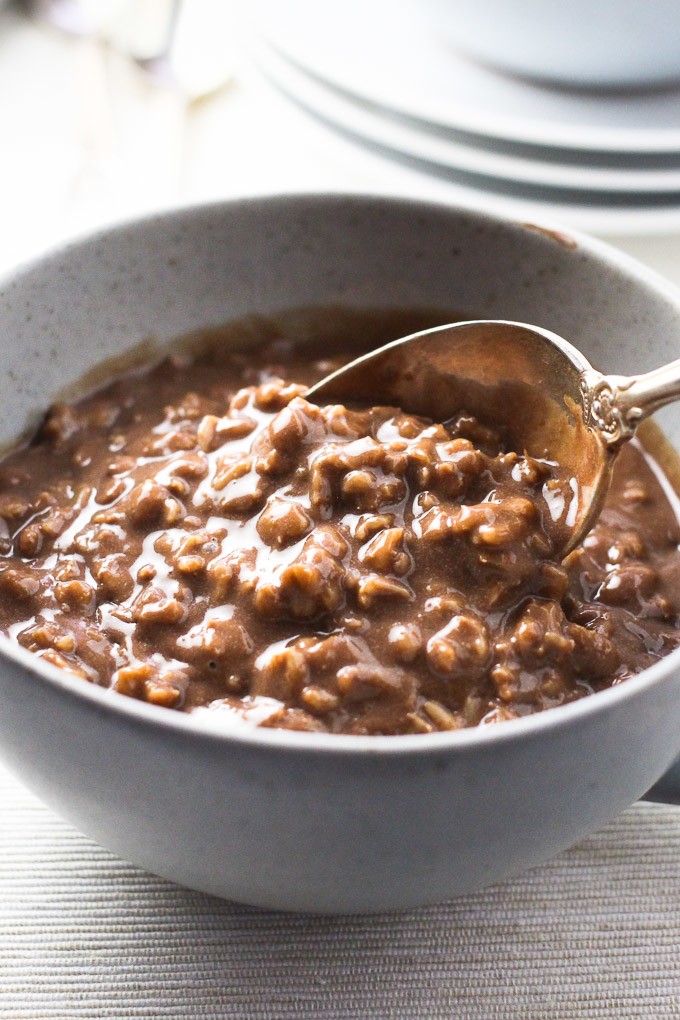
x,y
376,71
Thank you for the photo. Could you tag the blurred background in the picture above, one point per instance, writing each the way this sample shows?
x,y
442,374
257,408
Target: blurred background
x,y
564,113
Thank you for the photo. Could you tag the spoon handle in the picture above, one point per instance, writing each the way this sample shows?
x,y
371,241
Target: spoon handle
x,y
616,404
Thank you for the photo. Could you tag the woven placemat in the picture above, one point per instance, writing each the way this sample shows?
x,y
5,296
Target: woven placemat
x,y
593,934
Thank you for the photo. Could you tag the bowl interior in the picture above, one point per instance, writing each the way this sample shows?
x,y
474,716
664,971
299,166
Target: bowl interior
x,y
179,272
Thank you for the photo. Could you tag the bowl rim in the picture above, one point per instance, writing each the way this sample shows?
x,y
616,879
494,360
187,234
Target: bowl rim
x,y
202,727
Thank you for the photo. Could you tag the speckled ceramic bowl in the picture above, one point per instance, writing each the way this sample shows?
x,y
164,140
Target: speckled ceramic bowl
x,y
313,821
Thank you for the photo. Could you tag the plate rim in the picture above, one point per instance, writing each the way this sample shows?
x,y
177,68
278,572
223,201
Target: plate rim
x,y
641,141
364,120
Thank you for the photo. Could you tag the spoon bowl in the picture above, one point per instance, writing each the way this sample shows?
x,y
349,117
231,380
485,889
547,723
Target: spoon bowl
x,y
539,389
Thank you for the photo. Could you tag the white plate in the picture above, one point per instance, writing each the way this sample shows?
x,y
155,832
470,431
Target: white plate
x,y
382,52
354,165
445,152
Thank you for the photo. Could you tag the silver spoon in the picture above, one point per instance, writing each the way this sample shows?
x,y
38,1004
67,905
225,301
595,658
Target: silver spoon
x,y
550,401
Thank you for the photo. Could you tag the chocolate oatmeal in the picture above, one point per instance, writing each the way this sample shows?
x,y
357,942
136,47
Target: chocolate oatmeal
x,y
202,537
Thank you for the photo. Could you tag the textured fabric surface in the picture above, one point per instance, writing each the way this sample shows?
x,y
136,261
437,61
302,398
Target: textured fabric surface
x,y
593,934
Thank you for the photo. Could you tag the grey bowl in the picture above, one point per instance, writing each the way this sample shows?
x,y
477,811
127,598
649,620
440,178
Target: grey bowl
x,y
298,820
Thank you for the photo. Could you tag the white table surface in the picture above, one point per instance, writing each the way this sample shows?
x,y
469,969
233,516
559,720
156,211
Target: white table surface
x,y
593,934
